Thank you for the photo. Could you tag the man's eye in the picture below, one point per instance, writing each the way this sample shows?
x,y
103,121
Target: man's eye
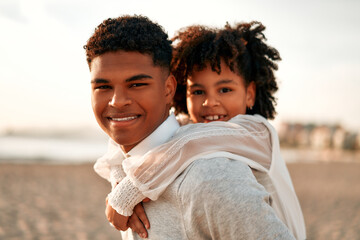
x,y
198,92
225,90
103,87
138,84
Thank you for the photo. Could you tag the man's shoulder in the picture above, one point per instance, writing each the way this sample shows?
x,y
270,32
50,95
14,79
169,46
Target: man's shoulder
x,y
218,177
212,169
223,195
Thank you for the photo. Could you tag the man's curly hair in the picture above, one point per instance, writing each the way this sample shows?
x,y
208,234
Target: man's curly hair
x,y
130,33
244,51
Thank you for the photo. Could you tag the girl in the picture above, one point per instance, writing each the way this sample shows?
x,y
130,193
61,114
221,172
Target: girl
x,y
226,80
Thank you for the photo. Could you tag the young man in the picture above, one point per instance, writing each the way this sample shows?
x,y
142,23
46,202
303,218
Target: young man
x,y
132,90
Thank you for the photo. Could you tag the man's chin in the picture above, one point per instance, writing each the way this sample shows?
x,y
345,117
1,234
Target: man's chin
x,y
126,142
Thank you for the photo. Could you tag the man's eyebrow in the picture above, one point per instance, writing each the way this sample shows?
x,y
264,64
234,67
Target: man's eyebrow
x,y
130,79
138,77
99,80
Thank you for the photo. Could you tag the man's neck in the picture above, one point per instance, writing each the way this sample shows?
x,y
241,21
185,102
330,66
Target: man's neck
x,y
127,149
159,136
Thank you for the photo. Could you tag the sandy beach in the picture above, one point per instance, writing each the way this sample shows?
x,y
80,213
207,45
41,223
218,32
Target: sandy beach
x,y
67,201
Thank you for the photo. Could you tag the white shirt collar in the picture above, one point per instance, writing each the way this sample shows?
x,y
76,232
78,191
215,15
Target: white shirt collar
x,y
115,155
161,135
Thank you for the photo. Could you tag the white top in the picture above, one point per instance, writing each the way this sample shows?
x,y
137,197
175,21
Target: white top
x,y
245,138
115,155
110,167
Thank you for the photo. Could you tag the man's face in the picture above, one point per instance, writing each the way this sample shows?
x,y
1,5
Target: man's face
x,y
130,96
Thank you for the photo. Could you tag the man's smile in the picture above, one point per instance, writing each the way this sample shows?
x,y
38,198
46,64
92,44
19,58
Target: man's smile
x,y
123,119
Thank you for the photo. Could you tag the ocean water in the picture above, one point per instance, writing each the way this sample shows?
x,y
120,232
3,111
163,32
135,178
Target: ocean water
x,y
73,150
28,149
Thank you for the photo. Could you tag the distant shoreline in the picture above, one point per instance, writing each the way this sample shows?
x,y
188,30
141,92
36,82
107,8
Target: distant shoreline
x,y
304,155
290,155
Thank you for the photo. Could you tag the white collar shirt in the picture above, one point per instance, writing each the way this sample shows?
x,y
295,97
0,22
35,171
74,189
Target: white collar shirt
x,y
116,156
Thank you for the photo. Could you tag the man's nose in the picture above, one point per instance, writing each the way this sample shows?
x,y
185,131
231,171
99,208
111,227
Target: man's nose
x,y
120,98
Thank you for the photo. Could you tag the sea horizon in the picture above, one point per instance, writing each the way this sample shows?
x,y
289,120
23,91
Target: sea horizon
x,y
86,148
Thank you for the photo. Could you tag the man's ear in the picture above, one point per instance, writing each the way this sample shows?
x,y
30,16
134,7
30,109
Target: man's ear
x,y
170,88
250,94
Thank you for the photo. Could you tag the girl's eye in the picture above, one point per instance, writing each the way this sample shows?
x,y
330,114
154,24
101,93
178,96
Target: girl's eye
x,y
225,90
198,92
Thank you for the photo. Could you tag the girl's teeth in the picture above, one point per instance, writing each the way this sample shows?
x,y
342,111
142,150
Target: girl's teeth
x,y
212,118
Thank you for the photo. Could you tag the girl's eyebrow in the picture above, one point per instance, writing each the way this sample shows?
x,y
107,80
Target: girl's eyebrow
x,y
194,85
226,81
223,81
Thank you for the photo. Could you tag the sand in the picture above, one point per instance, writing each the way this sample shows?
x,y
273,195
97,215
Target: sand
x,y
329,194
53,202
67,201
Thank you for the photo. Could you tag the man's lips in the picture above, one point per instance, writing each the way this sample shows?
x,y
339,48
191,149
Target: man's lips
x,y
123,119
118,118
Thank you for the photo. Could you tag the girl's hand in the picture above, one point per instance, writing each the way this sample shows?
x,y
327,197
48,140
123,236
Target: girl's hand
x,y
119,222
139,221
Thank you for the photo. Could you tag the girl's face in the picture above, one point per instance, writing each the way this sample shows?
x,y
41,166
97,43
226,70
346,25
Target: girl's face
x,y
217,97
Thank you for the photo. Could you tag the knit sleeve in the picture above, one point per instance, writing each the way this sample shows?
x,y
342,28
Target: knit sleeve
x,y
124,197
116,175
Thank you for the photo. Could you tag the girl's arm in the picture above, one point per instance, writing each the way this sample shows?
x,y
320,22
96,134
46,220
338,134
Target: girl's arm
x,y
135,217
138,221
114,173
149,175
109,166
124,197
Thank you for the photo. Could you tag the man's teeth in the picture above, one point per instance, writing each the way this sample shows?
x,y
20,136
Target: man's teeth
x,y
124,119
214,117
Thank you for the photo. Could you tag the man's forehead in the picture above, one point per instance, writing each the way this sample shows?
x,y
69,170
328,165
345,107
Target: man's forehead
x,y
122,58
124,66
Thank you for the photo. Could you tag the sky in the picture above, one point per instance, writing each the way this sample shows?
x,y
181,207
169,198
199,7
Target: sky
x,y
45,80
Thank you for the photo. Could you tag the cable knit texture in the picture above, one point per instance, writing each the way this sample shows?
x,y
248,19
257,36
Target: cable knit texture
x,y
116,175
124,197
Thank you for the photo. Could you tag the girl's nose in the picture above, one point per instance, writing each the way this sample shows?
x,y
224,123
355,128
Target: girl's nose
x,y
210,102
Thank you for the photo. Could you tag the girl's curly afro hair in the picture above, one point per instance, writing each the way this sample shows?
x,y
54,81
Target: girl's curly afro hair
x,y
244,51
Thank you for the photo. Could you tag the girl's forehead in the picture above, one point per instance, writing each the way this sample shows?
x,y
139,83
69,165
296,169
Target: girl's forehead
x,y
218,67
209,78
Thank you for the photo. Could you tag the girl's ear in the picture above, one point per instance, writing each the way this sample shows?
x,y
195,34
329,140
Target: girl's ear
x,y
250,94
